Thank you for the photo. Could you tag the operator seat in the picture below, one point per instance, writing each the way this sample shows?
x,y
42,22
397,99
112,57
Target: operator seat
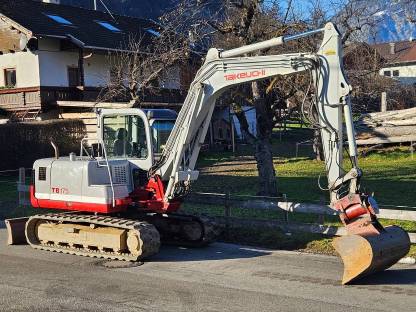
x,y
122,145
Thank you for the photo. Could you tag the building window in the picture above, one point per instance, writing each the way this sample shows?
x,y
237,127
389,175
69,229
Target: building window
x,y
396,73
73,77
109,26
10,77
387,73
153,32
59,19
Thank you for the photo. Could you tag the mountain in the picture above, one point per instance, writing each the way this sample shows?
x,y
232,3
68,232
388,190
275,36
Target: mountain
x,y
392,20
389,19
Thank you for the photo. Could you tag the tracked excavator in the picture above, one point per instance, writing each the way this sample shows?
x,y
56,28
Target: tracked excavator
x,y
119,198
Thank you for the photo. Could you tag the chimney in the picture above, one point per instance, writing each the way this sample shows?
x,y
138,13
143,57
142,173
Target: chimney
x,y
392,48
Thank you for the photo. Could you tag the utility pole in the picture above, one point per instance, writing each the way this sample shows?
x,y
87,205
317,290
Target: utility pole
x,y
95,5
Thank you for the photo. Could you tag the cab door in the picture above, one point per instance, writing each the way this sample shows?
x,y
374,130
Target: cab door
x,y
126,135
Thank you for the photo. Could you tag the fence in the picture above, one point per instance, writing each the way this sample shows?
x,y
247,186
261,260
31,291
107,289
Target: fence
x,y
11,181
288,210
280,212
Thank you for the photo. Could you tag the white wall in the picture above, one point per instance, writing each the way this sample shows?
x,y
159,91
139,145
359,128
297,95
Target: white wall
x,y
96,70
54,68
407,74
48,66
27,68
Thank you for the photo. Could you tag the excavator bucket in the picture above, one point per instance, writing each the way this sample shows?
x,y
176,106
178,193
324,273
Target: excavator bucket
x,y
16,231
366,254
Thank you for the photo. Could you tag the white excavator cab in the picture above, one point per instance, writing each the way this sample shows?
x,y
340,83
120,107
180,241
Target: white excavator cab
x,y
135,134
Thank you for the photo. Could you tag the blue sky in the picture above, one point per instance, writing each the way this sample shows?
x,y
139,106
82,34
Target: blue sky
x,y
303,6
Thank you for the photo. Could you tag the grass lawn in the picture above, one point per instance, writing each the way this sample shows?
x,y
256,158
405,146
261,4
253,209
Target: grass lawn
x,y
389,173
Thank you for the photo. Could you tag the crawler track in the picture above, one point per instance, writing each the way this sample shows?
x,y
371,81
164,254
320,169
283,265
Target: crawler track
x,y
184,230
145,234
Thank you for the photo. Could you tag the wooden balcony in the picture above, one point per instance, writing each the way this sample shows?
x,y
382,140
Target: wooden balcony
x,y
46,98
19,99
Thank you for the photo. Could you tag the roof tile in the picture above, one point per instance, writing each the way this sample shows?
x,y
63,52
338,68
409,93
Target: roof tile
x,y
405,51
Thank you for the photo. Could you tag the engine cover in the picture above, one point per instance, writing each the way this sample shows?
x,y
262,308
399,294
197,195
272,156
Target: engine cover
x,y
81,184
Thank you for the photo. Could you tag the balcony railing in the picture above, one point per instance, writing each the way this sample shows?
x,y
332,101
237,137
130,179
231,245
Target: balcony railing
x,y
20,99
15,99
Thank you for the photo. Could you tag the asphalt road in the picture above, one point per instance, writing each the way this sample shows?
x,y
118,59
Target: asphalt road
x,y
222,277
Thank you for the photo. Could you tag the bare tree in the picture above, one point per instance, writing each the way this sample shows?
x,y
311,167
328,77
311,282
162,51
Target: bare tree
x,y
143,63
409,8
228,24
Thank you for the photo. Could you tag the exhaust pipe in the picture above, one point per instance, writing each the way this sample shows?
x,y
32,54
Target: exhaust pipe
x,y
56,149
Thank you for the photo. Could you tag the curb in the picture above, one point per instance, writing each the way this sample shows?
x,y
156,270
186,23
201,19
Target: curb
x,y
407,260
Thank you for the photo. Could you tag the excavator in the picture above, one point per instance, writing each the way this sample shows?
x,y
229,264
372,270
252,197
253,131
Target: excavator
x,y
119,198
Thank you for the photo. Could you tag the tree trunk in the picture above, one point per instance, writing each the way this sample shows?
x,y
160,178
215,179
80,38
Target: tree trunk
x,y
317,140
263,146
317,145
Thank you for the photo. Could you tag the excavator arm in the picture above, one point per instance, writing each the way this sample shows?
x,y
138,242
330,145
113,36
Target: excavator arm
x,y
369,247
221,71
225,69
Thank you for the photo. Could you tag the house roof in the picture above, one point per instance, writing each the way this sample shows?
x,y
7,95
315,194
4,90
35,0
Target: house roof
x,y
81,26
404,51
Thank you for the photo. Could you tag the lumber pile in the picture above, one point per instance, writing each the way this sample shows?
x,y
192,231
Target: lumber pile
x,y
396,126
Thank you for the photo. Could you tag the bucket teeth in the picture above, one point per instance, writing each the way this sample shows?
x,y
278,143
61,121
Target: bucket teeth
x,y
364,255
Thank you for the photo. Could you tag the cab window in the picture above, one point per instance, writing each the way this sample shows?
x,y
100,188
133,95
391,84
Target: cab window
x,y
125,136
161,130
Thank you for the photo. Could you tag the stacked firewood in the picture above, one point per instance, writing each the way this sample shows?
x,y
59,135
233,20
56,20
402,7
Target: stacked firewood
x,y
396,126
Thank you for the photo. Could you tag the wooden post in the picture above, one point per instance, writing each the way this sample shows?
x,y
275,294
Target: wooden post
x,y
232,130
211,135
383,101
287,211
20,186
81,68
227,214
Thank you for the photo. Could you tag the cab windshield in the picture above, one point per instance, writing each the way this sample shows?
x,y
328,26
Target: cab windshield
x,y
125,136
161,130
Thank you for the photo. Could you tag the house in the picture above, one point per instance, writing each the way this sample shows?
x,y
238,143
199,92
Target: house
x,y
400,60
54,58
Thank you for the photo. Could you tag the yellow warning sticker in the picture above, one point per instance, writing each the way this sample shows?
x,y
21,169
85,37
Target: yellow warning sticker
x,y
330,52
